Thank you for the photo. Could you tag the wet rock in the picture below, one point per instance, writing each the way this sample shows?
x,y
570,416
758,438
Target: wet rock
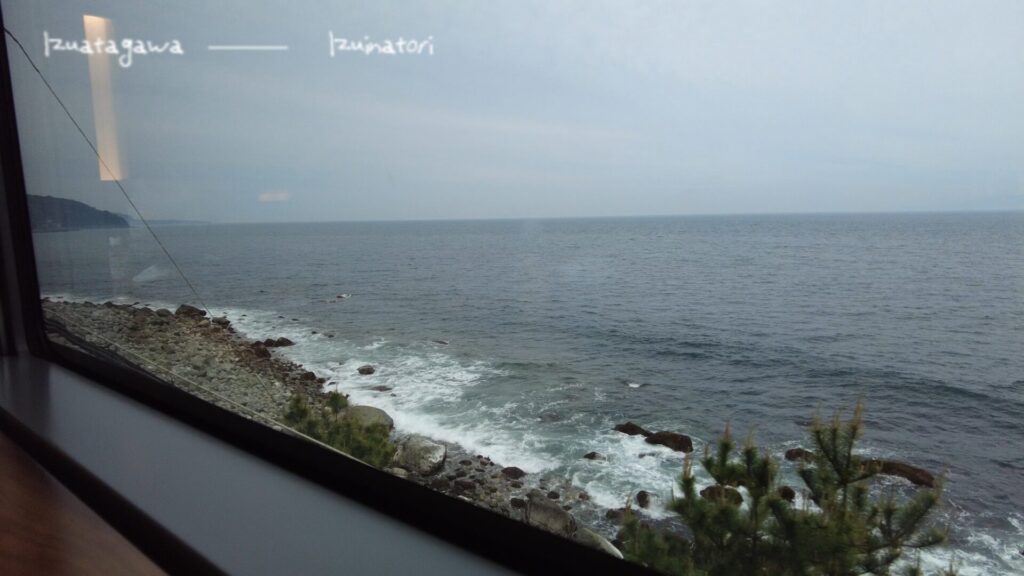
x,y
307,376
794,454
441,342
368,416
366,369
513,473
918,476
187,311
465,462
646,454
164,313
631,429
547,515
643,498
615,515
260,351
594,456
278,342
553,495
787,493
222,321
589,538
421,455
717,492
677,442
517,503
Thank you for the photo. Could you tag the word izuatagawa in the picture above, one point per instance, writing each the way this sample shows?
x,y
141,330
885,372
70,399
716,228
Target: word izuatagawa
x,y
125,50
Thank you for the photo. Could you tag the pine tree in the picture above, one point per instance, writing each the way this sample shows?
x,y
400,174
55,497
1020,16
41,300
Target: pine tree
x,y
846,531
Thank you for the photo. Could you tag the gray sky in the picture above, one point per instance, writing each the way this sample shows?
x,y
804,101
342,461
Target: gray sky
x,y
536,109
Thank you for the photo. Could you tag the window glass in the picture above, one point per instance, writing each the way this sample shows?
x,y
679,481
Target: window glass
x,y
544,255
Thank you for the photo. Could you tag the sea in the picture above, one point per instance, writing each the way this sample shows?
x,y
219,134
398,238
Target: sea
x,y
528,340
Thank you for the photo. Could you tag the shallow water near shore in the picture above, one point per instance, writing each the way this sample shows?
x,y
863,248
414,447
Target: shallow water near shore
x,y
557,330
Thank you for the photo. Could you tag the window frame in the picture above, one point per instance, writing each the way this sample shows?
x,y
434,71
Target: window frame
x,y
503,540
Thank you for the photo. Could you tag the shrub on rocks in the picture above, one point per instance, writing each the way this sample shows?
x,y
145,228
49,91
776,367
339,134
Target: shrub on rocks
x,y
369,443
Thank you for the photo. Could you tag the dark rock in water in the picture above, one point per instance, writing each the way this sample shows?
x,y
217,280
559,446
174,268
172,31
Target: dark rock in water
x,y
554,495
513,473
164,313
717,492
799,454
677,442
308,376
646,454
643,498
441,342
189,311
594,456
916,475
517,503
381,388
222,321
787,493
277,343
366,369
631,429
615,515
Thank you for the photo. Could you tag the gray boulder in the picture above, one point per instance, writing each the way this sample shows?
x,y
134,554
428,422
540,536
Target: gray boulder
x,y
546,514
366,370
588,537
420,455
368,416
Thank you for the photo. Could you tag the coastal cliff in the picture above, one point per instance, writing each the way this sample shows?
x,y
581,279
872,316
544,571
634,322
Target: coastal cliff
x,y
51,214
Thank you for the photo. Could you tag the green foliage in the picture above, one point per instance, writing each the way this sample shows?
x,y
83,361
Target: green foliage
x,y
644,545
371,444
847,532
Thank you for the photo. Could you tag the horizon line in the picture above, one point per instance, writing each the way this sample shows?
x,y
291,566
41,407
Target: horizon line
x,y
617,216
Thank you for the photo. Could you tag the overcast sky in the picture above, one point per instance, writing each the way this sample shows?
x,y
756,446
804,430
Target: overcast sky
x,y
539,109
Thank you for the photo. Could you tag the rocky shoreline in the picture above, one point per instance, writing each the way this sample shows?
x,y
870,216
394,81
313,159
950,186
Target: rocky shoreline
x,y
207,357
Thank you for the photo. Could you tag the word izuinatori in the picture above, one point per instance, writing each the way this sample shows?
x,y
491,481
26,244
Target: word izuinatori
x,y
125,50
400,47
